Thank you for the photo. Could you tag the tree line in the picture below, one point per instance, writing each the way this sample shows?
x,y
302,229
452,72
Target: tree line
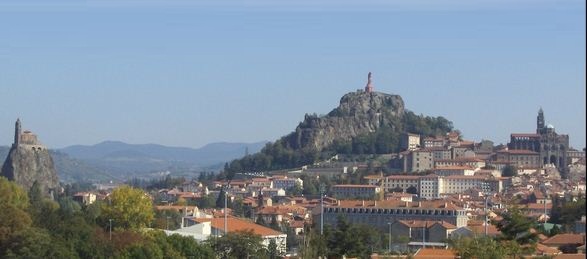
x,y
33,226
281,155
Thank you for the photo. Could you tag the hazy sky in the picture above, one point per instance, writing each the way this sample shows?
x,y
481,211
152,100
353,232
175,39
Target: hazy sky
x,y
187,73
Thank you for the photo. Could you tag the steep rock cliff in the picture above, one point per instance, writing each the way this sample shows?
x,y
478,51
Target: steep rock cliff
x,y
358,113
26,164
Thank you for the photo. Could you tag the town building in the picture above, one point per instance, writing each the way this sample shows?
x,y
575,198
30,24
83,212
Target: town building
x,y
202,228
284,182
410,141
520,158
355,191
379,213
419,161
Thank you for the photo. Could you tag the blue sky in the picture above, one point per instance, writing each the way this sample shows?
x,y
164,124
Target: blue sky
x,y
187,73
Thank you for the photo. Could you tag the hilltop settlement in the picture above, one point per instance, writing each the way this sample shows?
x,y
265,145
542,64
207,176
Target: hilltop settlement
x,y
368,180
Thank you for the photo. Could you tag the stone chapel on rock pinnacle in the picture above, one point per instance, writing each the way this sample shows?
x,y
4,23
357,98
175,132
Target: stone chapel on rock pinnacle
x,y
29,161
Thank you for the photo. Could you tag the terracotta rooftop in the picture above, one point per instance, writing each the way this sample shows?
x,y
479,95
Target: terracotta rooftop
x,y
235,224
373,176
176,208
570,256
407,177
435,253
282,209
537,206
461,159
454,167
434,204
481,177
563,239
354,186
545,250
426,223
480,229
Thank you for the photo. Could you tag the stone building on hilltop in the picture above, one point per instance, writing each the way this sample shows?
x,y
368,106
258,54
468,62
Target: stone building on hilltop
x,y
29,161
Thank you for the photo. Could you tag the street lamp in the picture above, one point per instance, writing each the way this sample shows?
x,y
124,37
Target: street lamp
x,y
225,217
110,220
389,223
322,187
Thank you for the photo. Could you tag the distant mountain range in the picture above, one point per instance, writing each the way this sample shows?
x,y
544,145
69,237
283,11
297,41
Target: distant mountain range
x,y
115,160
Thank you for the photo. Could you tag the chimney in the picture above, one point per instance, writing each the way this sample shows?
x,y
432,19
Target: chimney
x,y
363,203
375,204
419,204
445,204
406,205
337,202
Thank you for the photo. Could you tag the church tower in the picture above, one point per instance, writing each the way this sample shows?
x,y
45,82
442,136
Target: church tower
x,y
540,121
17,132
369,86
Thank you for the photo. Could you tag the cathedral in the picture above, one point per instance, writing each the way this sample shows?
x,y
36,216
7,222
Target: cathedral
x,y
551,146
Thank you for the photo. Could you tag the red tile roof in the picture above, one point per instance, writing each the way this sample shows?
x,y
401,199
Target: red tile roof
x,y
538,206
570,256
454,167
545,250
426,223
563,239
434,204
480,229
354,186
235,224
435,253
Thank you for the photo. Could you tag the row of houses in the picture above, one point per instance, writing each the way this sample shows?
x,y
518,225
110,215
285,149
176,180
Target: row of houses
x,y
435,186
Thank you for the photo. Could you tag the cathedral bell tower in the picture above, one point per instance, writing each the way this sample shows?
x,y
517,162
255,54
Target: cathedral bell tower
x,y
540,122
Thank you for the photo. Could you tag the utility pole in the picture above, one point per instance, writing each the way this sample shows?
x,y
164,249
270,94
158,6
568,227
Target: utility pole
x,y
321,209
225,218
424,235
486,197
389,223
110,220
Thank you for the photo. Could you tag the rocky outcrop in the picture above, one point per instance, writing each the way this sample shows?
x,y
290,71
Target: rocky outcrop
x,y
358,113
29,161
26,164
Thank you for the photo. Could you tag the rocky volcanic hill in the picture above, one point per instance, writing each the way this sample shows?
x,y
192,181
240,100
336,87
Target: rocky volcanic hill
x,y
365,122
358,113
25,166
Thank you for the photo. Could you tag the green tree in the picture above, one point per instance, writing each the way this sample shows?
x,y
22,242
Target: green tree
x,y
515,226
483,247
296,190
238,245
35,243
272,249
35,194
509,171
261,221
14,204
190,248
129,208
274,224
12,194
554,230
